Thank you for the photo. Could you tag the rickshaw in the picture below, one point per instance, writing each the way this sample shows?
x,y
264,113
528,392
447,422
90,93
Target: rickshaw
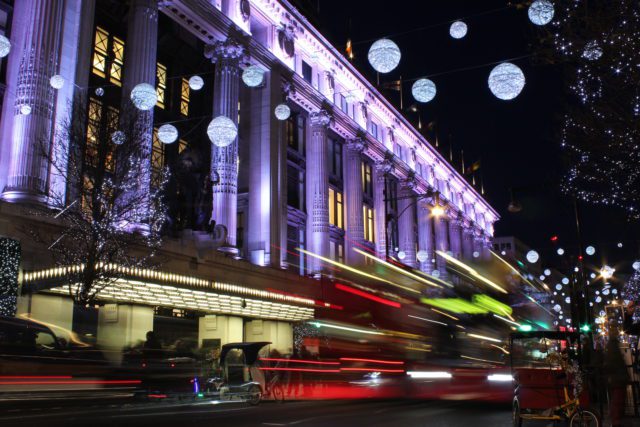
x,y
237,378
546,371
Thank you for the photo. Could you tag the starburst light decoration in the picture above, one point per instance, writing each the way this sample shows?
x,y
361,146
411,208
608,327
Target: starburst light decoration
x,y
144,96
506,81
423,90
222,131
384,55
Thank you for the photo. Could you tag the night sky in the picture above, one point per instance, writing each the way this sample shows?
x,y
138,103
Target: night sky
x,y
517,141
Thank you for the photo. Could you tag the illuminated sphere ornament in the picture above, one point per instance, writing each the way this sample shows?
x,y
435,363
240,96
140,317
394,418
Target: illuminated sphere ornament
x,y
5,46
458,30
542,278
567,300
422,256
196,83
167,134
506,81
565,281
560,251
541,12
222,131
253,76
402,255
620,244
282,112
423,90
592,51
144,96
533,257
605,291
384,55
636,265
547,272
593,275
557,308
99,91
558,286
25,110
476,254
590,250
435,273
599,299
57,81
118,137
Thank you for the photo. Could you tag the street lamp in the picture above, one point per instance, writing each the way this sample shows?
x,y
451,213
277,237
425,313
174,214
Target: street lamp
x,y
607,272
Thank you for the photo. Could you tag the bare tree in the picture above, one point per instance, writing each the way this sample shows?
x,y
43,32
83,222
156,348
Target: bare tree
x,y
112,211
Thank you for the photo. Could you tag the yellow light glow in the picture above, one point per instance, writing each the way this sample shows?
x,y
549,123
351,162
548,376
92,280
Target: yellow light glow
x,y
482,337
444,314
482,360
471,271
437,211
500,348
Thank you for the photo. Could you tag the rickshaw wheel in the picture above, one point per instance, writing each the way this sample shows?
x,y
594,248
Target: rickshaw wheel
x,y
278,393
584,418
517,421
255,395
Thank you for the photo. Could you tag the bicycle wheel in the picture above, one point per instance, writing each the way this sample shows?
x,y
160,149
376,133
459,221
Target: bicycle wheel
x,y
584,418
277,392
254,395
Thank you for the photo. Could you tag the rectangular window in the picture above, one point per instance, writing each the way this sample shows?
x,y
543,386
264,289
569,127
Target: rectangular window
x,y
108,56
344,105
113,115
294,131
87,190
295,240
335,158
182,145
115,76
100,52
335,208
157,158
367,179
307,72
184,97
93,132
161,87
336,251
295,187
373,129
368,223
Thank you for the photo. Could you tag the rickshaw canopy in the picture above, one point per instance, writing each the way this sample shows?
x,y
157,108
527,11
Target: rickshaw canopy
x,y
250,350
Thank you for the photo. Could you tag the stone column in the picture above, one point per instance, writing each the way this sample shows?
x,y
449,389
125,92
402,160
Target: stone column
x,y
425,236
32,133
455,236
353,199
407,222
442,244
467,243
317,189
140,59
382,168
224,160
478,243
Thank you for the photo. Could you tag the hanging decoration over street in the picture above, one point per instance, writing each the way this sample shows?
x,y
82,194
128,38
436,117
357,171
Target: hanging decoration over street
x,y
506,81
5,46
57,81
196,83
636,265
384,56
167,134
253,76
99,91
282,112
423,90
541,12
458,30
590,250
422,256
118,137
533,256
222,131
592,51
25,110
144,96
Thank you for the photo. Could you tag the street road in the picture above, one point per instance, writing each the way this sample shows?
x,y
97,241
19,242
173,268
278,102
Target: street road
x,y
405,413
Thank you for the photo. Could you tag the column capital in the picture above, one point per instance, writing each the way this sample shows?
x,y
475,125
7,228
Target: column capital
x,y
320,118
384,166
150,8
409,184
228,50
356,145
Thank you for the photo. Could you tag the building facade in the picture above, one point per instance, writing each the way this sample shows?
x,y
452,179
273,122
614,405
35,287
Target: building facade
x,y
345,170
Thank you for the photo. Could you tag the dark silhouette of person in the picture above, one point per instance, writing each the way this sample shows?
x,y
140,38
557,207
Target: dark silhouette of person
x,y
152,342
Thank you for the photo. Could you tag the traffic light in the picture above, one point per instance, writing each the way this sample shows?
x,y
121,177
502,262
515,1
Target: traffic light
x,y
585,328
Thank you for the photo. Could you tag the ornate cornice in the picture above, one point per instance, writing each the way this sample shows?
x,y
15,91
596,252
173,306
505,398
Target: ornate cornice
x,y
228,50
320,118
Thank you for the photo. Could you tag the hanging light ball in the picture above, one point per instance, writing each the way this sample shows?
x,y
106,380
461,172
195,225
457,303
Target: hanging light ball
x,y
222,131
567,300
196,83
402,255
253,76
476,254
605,291
592,51
565,281
506,81
423,90
558,286
144,96
533,257
599,299
590,250
560,251
636,265
25,110
620,244
57,81
458,30
541,12
5,46
167,134
422,256
435,273
593,275
282,112
542,278
547,272
557,308
118,137
99,91
384,55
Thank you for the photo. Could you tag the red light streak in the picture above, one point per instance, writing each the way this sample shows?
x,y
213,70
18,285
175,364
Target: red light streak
x,y
35,377
59,382
157,396
312,362
385,362
367,295
393,371
301,370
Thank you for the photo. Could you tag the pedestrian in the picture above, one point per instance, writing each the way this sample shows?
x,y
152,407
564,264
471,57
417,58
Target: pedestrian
x,y
152,342
618,378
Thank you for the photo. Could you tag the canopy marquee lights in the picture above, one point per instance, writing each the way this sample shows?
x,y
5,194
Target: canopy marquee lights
x,y
222,131
384,56
506,81
253,76
144,96
57,81
196,83
5,46
423,90
541,12
282,112
458,30
167,134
